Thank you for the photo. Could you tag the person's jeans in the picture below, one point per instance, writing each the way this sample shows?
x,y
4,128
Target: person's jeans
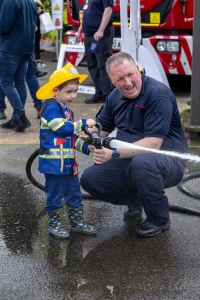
x,y
12,77
62,186
32,83
138,180
96,62
2,100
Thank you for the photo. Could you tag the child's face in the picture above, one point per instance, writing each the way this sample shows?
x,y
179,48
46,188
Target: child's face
x,y
67,94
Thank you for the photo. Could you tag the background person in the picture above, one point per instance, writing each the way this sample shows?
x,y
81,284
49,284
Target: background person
x,y
97,26
145,113
33,85
38,60
17,38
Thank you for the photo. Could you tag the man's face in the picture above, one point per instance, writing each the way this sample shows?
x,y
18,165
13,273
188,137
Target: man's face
x,y
127,78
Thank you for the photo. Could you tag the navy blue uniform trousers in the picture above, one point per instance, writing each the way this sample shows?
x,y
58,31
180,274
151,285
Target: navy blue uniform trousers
x,y
136,181
96,62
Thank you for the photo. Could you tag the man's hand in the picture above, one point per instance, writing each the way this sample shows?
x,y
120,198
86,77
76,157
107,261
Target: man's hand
x,y
100,156
98,35
78,37
104,22
91,148
78,34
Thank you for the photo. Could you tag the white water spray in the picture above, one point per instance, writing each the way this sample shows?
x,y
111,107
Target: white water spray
x,y
119,144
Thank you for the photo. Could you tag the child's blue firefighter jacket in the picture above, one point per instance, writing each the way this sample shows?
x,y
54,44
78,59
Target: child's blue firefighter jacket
x,y
58,139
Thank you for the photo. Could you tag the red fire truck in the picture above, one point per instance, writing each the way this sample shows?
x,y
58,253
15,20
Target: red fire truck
x,y
168,24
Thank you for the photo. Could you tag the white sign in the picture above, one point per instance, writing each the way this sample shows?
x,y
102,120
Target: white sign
x,y
57,21
57,13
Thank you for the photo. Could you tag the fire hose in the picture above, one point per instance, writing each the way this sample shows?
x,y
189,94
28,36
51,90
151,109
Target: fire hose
x,y
94,138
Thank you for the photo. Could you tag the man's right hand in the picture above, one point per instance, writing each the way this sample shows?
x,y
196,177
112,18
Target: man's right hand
x,y
78,37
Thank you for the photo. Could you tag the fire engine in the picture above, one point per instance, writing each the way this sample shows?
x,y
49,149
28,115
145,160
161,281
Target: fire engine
x,y
168,24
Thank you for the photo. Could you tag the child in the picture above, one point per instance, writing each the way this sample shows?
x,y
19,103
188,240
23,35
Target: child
x,y
57,159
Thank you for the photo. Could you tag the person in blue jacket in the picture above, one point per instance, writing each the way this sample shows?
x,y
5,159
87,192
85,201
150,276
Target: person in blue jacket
x,y
17,37
58,139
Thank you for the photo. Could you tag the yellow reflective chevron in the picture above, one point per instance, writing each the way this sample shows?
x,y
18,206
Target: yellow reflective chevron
x,y
79,144
78,126
55,124
44,127
55,154
43,121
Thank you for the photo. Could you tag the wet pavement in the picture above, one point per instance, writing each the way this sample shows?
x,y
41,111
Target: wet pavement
x,y
114,263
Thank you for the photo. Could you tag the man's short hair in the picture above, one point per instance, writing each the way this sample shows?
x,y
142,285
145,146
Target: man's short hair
x,y
118,59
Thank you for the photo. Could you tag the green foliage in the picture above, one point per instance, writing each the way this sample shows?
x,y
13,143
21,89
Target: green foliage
x,y
46,5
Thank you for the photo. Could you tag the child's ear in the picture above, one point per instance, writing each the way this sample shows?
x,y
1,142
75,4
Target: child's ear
x,y
55,90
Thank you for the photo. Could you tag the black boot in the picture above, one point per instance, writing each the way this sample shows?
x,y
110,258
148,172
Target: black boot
x,y
95,99
133,212
22,123
11,124
2,115
40,74
38,113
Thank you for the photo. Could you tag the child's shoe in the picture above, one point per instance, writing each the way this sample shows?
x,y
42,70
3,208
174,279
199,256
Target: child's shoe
x,y
55,227
76,221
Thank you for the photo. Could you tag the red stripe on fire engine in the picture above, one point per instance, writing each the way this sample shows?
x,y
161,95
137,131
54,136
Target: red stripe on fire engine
x,y
187,50
180,69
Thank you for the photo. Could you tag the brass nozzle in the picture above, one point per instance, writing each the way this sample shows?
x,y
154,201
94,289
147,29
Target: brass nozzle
x,y
85,138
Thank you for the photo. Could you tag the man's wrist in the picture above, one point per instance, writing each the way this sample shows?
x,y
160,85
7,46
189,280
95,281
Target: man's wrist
x,y
115,154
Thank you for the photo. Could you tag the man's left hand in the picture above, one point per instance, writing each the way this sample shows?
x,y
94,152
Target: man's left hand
x,y
98,35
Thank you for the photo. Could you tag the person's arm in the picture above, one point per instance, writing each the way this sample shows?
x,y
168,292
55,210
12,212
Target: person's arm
x,y
104,22
78,33
149,142
100,156
7,17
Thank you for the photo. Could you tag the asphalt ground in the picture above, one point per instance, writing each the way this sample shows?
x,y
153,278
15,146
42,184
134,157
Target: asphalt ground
x,y
113,264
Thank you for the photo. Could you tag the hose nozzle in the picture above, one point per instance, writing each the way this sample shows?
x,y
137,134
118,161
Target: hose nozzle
x,y
93,138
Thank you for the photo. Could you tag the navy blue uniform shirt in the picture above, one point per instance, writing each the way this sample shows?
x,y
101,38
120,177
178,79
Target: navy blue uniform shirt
x,y
154,113
92,15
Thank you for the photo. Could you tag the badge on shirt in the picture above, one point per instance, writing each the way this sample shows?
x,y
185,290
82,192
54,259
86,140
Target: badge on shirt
x,y
85,6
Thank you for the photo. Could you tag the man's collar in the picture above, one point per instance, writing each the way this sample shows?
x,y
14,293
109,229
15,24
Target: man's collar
x,y
143,82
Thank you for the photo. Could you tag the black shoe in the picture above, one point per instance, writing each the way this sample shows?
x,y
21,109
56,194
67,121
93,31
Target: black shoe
x,y
38,113
95,99
22,123
40,73
11,124
133,213
2,115
148,230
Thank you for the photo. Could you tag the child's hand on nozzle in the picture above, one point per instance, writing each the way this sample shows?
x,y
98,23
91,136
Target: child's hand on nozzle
x,y
90,123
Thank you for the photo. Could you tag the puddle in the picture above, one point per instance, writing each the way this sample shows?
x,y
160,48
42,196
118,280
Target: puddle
x,y
113,264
